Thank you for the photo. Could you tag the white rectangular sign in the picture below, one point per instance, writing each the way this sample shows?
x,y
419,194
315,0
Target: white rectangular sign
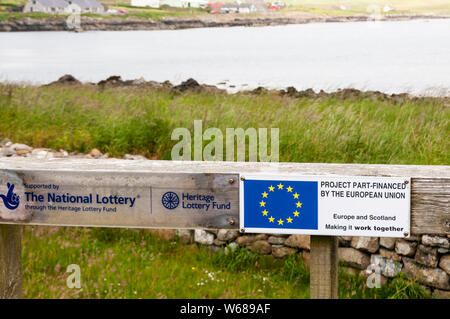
x,y
325,205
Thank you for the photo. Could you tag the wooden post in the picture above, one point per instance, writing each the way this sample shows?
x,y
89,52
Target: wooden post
x,y
10,261
324,267
430,190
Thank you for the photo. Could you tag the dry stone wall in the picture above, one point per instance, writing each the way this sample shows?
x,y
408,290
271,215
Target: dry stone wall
x,y
424,258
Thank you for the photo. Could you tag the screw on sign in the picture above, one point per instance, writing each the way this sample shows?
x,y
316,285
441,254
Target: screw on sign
x,y
428,213
170,200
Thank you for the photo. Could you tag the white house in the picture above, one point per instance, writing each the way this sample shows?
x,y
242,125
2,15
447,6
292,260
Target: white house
x,y
193,3
145,3
64,6
73,8
88,6
246,8
47,6
171,3
238,7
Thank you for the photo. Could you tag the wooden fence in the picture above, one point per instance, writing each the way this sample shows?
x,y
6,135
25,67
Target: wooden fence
x,y
149,181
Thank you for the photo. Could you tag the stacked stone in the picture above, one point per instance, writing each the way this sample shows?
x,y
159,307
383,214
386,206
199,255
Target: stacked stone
x,y
277,245
10,149
423,258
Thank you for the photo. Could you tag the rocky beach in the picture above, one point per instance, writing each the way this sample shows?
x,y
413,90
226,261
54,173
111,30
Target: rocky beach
x,y
58,23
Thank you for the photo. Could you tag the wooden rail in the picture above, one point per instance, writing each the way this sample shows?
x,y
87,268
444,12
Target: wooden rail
x,y
152,180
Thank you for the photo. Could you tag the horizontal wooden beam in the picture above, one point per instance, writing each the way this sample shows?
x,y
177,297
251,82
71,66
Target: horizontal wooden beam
x,y
115,165
430,189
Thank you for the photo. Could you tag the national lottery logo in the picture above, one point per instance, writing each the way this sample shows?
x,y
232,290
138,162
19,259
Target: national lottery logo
x,y
280,204
11,200
170,200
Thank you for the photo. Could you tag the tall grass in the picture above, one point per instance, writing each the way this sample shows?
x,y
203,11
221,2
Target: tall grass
x,y
140,120
364,6
400,287
117,263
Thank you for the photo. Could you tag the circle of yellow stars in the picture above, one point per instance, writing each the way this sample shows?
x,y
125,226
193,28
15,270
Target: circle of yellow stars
x,y
280,221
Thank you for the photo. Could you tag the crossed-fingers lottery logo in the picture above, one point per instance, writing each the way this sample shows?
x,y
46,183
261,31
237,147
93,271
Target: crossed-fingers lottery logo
x,y
11,200
281,204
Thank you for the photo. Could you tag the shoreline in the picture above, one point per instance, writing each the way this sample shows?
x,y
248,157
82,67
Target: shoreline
x,y
116,81
347,125
191,84
58,23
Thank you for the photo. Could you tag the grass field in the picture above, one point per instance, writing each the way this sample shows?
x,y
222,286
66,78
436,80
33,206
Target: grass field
x,y
367,6
149,267
329,129
153,14
118,264
139,120
317,7
134,12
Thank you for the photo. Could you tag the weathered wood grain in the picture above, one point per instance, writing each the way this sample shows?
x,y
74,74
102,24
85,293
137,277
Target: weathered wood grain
x,y
430,193
417,171
324,267
10,261
430,205
147,210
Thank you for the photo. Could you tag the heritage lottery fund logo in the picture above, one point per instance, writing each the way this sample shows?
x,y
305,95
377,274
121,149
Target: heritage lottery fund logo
x,y
170,200
281,204
205,202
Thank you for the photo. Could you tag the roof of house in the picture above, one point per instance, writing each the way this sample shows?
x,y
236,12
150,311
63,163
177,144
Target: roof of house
x,y
230,5
66,3
237,5
53,3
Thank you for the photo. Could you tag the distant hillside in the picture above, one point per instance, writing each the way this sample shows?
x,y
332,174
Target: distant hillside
x,y
330,6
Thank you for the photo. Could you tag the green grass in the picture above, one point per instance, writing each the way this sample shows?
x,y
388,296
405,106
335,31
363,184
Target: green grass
x,y
117,263
400,287
149,13
315,7
330,129
10,16
131,12
135,264
150,267
154,15
361,6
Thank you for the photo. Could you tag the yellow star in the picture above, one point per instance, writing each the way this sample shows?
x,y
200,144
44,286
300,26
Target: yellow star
x,y
280,222
280,186
296,195
299,204
271,219
271,188
289,189
265,212
262,203
264,195
296,213
289,220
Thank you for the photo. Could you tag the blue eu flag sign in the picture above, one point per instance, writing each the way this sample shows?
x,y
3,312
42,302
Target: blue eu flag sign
x,y
280,204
